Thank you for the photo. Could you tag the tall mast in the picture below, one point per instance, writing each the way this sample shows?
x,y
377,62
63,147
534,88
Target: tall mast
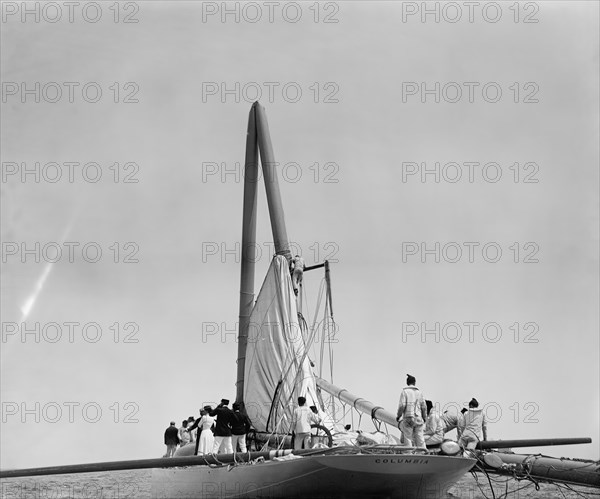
x,y
258,138
248,249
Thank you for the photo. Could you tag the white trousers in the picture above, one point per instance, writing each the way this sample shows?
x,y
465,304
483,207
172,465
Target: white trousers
x,y
302,440
433,440
238,439
468,440
297,277
222,445
413,434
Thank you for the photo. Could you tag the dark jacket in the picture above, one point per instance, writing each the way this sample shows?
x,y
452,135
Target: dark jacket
x,y
192,427
241,424
171,435
225,419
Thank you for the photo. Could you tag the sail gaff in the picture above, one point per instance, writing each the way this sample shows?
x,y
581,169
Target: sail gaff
x,y
360,404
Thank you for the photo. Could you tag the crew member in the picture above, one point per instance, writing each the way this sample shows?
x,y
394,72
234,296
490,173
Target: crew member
x,y
297,267
183,434
474,426
434,426
412,413
301,421
240,426
192,433
171,439
453,421
223,424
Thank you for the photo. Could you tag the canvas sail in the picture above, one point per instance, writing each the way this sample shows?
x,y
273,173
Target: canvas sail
x,y
277,369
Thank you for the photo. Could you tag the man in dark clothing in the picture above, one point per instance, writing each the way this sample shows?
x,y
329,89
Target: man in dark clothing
x,y
191,420
225,419
196,423
239,428
171,439
196,429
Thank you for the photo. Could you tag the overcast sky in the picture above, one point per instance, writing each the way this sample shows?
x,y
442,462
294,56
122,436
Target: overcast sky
x,y
447,167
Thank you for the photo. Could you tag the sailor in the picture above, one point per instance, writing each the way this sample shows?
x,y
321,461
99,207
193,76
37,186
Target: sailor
x,y
297,268
183,434
191,421
301,421
223,424
473,426
452,421
195,429
413,412
171,439
240,426
460,424
434,426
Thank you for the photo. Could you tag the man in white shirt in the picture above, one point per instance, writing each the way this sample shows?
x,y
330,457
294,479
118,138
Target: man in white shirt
x,y
412,413
301,421
434,426
473,426
453,421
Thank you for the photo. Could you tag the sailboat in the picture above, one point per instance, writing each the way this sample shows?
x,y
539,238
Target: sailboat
x,y
274,368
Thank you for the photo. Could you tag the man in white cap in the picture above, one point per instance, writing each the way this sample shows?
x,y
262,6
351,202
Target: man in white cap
x,y
473,426
412,414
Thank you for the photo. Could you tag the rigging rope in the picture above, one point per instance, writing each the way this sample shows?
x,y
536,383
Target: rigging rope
x,y
283,398
376,422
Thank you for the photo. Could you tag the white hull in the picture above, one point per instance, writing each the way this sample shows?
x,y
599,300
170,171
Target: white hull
x,y
402,476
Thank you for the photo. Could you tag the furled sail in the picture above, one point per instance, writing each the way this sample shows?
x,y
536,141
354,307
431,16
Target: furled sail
x,y
277,369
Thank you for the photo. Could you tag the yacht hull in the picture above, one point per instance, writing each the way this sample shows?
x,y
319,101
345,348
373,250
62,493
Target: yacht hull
x,y
322,476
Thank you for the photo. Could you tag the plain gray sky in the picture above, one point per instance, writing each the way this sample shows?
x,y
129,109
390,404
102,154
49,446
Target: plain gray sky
x,y
356,202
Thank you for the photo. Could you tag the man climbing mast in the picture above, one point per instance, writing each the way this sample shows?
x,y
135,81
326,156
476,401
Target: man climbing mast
x,y
297,267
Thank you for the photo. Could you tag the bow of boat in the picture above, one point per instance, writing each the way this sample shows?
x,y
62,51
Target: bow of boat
x,y
343,474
